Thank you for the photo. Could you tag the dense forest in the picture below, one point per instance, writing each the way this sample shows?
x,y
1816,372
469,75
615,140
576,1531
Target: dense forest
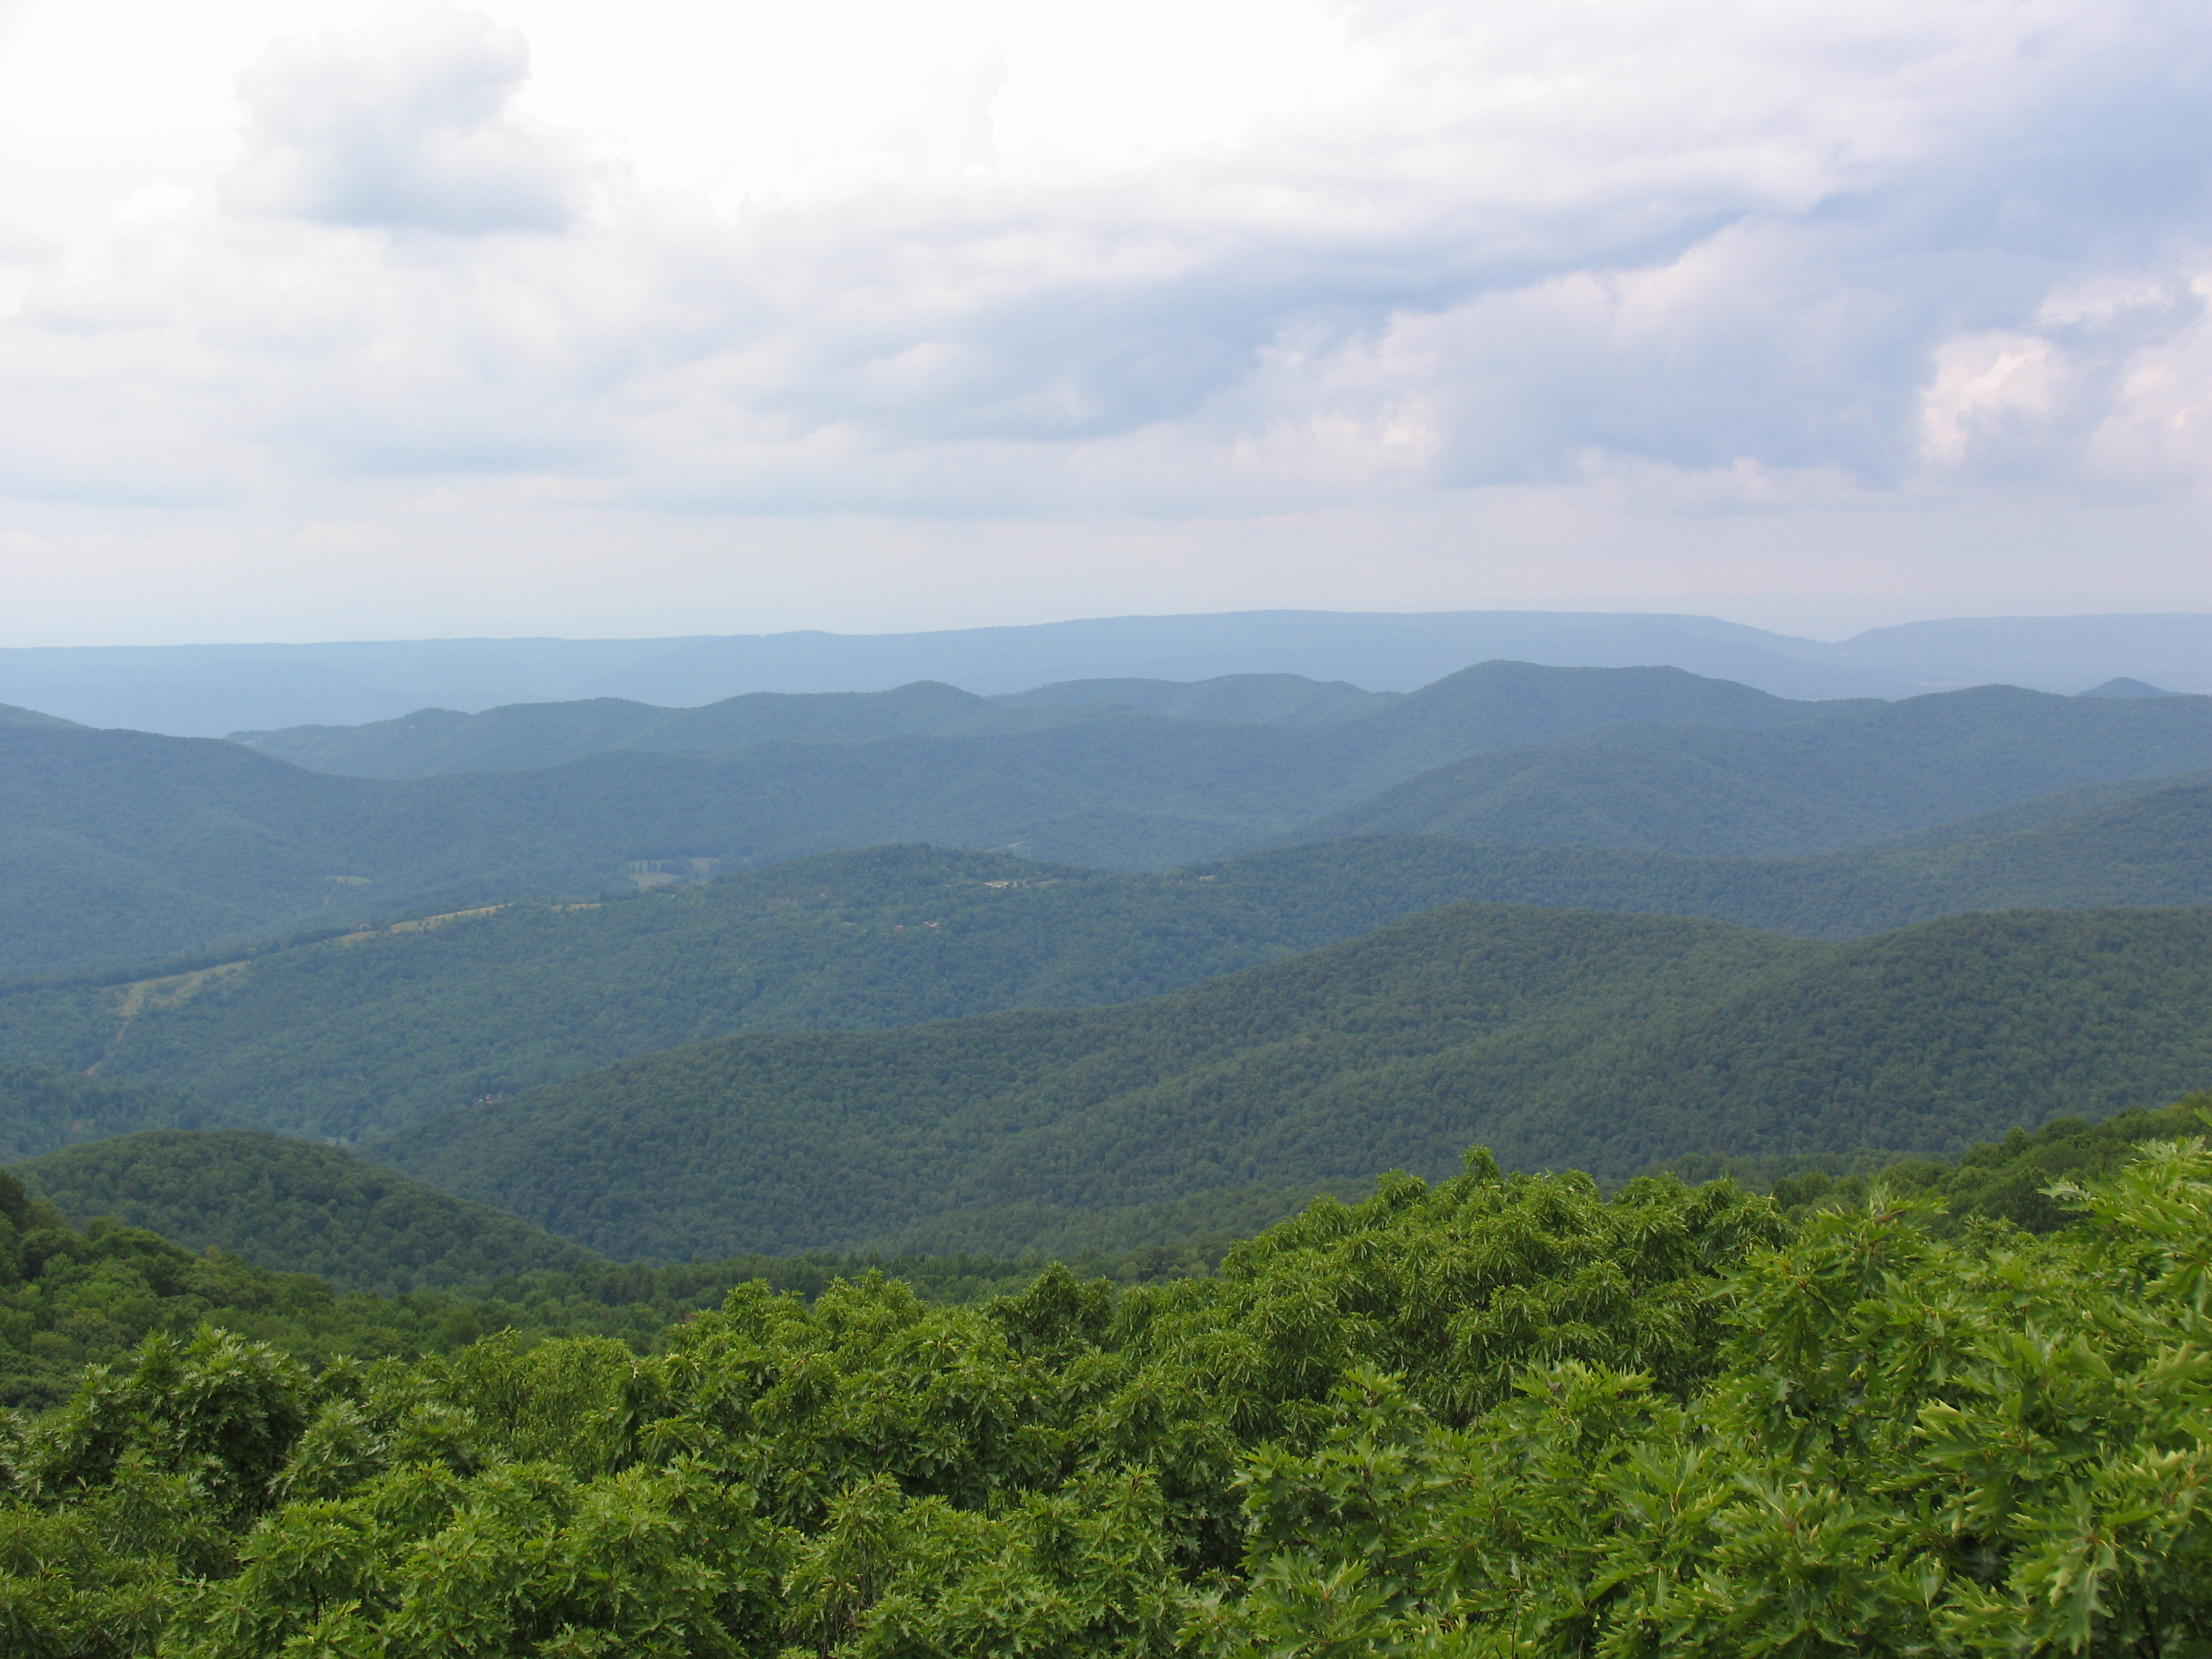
x,y
1814,785
77,1294
297,1204
1563,1038
1496,1415
410,1020
42,1108
117,846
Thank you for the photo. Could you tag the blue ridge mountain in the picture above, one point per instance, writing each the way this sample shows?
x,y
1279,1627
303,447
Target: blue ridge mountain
x,y
120,846
1608,1043
363,1031
116,845
1492,705
204,690
1839,780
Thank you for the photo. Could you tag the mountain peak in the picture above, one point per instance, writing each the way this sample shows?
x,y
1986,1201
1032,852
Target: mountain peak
x,y
2125,687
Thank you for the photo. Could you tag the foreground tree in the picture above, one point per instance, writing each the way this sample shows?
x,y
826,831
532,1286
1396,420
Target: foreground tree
x,y
1501,1416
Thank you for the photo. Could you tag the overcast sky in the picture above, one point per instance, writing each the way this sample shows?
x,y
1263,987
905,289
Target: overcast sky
x,y
325,320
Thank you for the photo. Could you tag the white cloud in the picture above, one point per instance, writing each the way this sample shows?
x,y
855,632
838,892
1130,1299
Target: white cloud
x,y
1984,384
1204,260
404,124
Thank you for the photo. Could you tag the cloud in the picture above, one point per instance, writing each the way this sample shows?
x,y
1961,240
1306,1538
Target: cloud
x,y
1716,256
402,124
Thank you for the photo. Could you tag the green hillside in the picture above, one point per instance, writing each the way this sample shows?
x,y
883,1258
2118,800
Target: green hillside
x,y
308,1207
74,1295
1839,780
1609,1043
42,1108
118,844
358,1034
2009,1179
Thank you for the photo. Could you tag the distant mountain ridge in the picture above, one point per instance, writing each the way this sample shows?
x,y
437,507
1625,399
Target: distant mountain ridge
x,y
203,690
121,844
1844,778
117,846
1356,737
1606,1043
525,735
1243,699
11,716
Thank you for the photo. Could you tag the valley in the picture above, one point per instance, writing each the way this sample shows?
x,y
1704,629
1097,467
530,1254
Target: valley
x,y
359,1033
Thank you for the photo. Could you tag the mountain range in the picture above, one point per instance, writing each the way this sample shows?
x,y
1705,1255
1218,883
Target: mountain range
x,y
123,844
204,690
1609,1043
359,1033
117,845
1103,964
1612,1042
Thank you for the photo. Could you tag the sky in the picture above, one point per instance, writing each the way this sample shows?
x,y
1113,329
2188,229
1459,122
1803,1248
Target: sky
x,y
325,320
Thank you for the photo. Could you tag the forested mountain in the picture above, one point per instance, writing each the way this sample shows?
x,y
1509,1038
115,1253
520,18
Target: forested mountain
x,y
1840,779
521,736
1493,705
308,1207
1611,1042
204,690
89,1293
2009,1179
115,844
369,1030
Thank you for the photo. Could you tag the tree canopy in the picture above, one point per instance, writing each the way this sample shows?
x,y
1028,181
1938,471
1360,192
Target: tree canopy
x,y
1499,1415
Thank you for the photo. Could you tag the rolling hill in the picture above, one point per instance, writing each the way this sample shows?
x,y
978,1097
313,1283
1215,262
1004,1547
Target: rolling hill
x,y
522,736
1839,779
1608,1042
1242,699
358,1034
203,690
116,845
1493,705
295,1206
91,1293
